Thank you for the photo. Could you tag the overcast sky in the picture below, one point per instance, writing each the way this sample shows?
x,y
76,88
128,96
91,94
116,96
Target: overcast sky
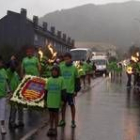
x,y
42,7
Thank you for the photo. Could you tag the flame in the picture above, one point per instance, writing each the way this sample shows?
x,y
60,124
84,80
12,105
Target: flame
x,y
135,59
40,54
129,70
137,54
50,48
54,54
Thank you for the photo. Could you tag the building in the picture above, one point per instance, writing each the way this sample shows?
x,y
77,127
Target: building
x,y
17,30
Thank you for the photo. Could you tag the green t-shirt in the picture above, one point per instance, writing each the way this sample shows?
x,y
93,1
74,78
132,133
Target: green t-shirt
x,y
110,66
48,71
89,67
69,74
114,66
62,64
86,67
3,83
136,66
30,65
13,78
54,87
81,71
119,68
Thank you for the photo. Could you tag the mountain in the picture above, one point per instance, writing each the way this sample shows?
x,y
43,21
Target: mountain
x,y
115,23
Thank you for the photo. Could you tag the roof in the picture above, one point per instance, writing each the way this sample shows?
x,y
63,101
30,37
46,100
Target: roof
x,y
99,57
85,49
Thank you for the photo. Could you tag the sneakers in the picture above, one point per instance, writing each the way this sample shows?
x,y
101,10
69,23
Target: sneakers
x,y
52,132
13,126
62,123
21,124
73,125
3,131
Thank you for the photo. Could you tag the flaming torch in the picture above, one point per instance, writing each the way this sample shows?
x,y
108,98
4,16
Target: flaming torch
x,y
137,54
129,70
53,53
135,59
40,54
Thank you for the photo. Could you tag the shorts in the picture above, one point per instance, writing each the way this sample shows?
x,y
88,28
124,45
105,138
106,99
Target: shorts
x,y
2,108
69,99
56,110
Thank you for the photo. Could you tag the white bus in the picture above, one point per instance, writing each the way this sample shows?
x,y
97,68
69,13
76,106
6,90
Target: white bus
x,y
79,54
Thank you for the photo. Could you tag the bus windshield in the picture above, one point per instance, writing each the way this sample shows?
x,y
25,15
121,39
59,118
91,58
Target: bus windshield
x,y
78,55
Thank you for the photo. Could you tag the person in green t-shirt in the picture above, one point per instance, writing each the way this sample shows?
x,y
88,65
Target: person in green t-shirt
x,y
89,71
3,94
61,61
72,82
14,81
54,88
87,68
129,72
119,70
30,64
82,74
48,69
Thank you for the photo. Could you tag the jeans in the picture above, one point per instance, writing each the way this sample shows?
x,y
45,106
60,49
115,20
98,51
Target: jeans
x,y
2,108
13,111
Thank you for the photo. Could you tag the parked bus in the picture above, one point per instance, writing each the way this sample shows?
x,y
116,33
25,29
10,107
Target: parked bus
x,y
80,54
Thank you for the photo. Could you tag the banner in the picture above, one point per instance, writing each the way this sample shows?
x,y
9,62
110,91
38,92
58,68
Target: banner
x,y
30,92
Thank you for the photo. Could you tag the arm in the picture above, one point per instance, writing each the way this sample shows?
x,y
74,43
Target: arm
x,y
63,90
45,97
77,85
22,71
38,66
63,94
77,82
8,86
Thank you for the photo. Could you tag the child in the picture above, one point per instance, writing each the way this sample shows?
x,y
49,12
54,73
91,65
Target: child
x,y
55,88
72,82
14,81
3,91
82,74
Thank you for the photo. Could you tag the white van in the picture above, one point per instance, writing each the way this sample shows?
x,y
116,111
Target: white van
x,y
101,64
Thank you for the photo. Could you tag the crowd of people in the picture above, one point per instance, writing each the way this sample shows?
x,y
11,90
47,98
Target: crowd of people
x,y
62,85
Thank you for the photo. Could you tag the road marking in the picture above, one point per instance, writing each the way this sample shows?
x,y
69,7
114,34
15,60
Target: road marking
x,y
34,131
28,135
97,82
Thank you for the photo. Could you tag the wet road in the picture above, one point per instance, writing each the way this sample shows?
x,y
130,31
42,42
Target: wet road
x,y
107,111
32,120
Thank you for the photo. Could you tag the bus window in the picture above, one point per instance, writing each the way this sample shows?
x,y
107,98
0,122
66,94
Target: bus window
x,y
80,54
